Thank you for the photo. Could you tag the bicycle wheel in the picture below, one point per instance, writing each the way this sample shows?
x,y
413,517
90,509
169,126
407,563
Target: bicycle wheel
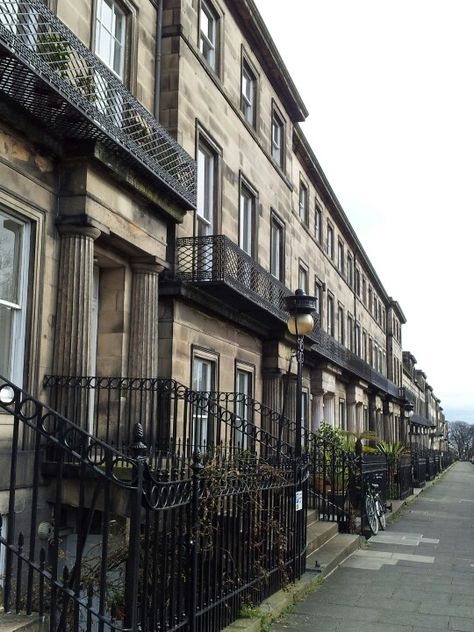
x,y
371,513
380,515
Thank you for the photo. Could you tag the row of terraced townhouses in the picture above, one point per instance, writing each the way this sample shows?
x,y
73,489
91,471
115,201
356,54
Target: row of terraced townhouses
x,y
158,199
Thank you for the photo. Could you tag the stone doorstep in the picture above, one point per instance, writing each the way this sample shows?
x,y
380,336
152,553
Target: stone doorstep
x,y
20,622
318,533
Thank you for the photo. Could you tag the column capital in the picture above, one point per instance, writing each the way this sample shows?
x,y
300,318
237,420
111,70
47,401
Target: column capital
x,y
76,229
147,264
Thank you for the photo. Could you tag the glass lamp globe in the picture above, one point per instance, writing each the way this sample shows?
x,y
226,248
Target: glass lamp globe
x,y
300,324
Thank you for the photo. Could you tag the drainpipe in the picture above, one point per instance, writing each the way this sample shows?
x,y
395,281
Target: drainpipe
x,y
158,4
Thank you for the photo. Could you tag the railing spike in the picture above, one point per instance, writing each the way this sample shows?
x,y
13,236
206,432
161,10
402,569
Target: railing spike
x,y
138,447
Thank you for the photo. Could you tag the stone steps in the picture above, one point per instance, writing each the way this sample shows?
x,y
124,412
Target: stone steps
x,y
20,623
326,547
324,559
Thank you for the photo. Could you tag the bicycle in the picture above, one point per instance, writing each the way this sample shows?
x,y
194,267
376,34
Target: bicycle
x,y
374,509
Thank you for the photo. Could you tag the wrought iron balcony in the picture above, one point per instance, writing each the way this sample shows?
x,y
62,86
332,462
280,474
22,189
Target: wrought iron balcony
x,y
216,260
419,420
336,352
47,70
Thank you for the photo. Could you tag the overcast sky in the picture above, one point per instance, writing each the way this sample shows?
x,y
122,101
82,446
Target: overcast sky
x,y
390,91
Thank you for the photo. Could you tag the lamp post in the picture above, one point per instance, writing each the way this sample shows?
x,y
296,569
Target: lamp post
x,y
408,409
300,322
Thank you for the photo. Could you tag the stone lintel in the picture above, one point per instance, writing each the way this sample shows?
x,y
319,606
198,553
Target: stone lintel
x,y
141,183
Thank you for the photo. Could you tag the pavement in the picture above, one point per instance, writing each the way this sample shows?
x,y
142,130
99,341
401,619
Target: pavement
x,y
418,575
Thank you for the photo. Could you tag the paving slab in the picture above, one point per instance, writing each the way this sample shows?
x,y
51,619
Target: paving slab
x,y
416,576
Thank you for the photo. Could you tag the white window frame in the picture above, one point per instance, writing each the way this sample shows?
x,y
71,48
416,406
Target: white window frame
x,y
342,414
341,324
249,94
277,250
101,27
247,218
17,349
206,189
350,269
209,39
330,240
303,277
201,420
317,223
303,203
243,409
278,139
318,295
330,314
340,256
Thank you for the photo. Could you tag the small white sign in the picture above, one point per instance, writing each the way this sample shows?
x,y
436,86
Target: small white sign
x,y
299,501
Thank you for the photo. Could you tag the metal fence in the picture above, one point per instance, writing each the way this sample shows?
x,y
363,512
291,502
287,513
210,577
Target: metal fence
x,y
176,420
111,542
331,482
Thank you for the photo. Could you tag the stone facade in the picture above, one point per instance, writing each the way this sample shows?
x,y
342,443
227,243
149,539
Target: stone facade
x,y
106,293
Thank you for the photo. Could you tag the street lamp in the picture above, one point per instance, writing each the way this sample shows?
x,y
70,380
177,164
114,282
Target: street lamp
x,y
408,410
300,322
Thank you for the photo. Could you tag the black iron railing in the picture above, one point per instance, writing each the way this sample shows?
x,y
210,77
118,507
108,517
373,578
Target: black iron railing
x,y
176,420
217,259
49,72
400,476
332,482
108,544
335,351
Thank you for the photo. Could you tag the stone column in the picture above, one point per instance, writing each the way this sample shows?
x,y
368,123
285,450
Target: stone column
x,y
318,411
351,417
143,350
143,356
372,414
271,398
359,417
74,307
71,354
329,416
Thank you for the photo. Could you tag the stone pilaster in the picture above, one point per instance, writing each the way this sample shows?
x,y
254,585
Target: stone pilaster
x,y
318,411
74,307
271,397
372,414
143,356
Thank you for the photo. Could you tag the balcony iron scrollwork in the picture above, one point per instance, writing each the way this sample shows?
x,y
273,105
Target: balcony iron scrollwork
x,y
47,70
336,352
216,259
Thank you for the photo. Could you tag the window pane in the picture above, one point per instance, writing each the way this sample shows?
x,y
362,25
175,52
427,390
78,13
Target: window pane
x,y
208,34
205,191
110,35
277,140
6,335
248,95
303,280
246,221
11,234
276,250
